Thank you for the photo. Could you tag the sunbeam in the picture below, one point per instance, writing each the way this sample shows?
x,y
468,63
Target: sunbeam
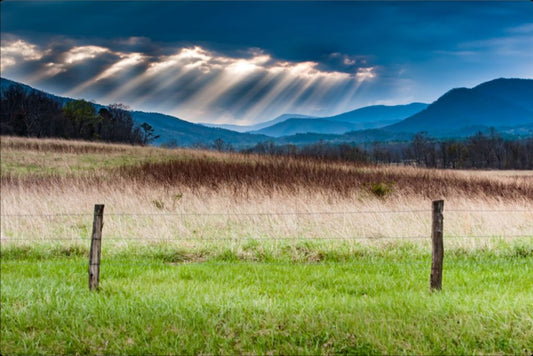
x,y
194,83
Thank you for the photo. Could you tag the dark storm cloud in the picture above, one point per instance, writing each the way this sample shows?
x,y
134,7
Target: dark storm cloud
x,y
231,61
291,30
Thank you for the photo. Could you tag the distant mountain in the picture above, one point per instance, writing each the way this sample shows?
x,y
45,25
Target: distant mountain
x,y
169,128
504,104
236,128
184,133
296,126
259,126
379,113
361,136
515,91
369,117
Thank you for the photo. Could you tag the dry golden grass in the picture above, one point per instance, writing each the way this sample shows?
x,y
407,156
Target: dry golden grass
x,y
193,197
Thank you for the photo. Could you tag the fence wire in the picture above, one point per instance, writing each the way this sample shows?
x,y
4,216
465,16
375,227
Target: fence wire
x,y
247,239
282,213
228,229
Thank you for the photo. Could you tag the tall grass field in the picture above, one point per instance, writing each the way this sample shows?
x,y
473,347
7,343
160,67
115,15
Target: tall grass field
x,y
224,253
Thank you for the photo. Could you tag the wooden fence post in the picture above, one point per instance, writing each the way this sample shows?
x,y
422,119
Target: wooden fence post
x,y
437,250
96,243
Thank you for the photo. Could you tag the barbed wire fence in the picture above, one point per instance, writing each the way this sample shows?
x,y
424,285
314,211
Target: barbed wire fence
x,y
81,233
75,227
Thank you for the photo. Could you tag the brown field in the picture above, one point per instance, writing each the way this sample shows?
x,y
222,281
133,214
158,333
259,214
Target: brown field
x,y
49,188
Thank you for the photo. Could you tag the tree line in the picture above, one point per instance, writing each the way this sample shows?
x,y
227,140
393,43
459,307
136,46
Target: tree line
x,y
480,151
35,114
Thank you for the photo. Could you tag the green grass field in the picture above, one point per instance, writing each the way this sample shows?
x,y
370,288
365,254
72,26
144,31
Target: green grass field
x,y
343,300
213,253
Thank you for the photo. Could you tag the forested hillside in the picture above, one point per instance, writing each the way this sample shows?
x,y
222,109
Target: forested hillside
x,y
33,113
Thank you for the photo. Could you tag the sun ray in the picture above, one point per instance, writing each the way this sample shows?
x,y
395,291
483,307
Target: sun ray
x,y
129,60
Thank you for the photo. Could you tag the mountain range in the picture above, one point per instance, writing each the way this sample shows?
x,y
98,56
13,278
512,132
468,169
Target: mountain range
x,y
504,104
259,126
183,133
369,117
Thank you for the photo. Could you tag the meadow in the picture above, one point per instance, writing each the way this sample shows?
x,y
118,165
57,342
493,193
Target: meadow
x,y
224,253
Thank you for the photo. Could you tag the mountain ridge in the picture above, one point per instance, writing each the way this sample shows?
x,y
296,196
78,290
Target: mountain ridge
x,y
368,117
259,126
172,130
502,103
484,105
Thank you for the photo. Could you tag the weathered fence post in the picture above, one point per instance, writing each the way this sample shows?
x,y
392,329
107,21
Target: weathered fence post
x,y
437,250
96,243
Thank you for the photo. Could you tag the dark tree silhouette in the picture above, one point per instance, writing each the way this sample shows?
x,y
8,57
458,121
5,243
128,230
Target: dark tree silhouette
x,y
36,114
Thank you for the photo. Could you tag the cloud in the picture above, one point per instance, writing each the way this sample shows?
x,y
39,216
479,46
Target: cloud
x,y
18,50
82,53
345,59
365,73
192,82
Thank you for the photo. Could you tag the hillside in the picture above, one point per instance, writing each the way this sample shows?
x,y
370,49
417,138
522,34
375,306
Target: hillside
x,y
6,83
171,130
184,133
502,103
379,113
515,91
370,117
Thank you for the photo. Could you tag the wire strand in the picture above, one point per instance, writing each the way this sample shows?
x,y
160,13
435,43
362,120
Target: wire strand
x,y
246,239
349,212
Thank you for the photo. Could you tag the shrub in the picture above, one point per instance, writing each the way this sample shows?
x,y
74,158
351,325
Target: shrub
x,y
381,189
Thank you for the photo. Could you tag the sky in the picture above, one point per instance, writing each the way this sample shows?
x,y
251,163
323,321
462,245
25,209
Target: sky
x,y
245,62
